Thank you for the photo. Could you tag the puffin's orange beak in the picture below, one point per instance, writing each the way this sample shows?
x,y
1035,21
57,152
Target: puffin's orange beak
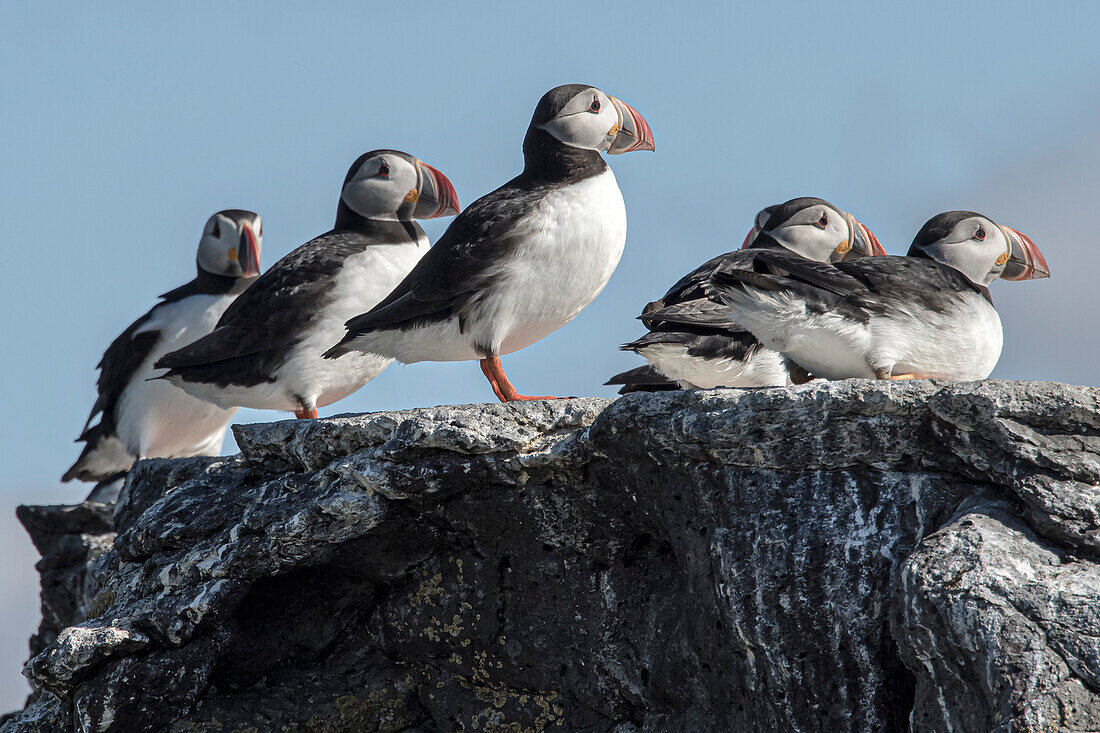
x,y
633,133
1025,261
863,241
249,252
437,197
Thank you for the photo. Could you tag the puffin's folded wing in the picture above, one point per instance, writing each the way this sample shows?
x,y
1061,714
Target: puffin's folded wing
x,y
692,286
698,312
817,287
821,275
221,344
462,265
120,361
272,309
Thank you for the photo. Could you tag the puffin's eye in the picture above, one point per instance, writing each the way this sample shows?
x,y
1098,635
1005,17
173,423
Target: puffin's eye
x,y
260,229
383,170
822,222
980,234
594,108
217,230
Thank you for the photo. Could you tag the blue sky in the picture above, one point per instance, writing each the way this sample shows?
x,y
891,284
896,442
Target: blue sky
x,y
124,129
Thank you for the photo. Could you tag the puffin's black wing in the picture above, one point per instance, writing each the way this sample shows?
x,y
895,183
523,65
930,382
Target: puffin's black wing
x,y
700,341
861,288
896,281
691,285
686,301
464,261
269,317
121,359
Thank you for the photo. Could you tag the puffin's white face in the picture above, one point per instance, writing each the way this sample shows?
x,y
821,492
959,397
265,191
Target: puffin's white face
x,y
816,229
231,243
975,246
593,120
380,187
818,232
394,186
588,120
978,248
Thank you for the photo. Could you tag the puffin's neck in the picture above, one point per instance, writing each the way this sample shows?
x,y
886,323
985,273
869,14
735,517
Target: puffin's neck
x,y
391,229
208,283
545,158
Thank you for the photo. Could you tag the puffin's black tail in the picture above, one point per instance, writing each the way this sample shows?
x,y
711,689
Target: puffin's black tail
x,y
642,379
103,456
339,349
701,312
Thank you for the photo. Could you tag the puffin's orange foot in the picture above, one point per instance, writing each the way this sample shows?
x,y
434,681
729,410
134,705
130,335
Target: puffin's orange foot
x,y
502,388
885,374
306,414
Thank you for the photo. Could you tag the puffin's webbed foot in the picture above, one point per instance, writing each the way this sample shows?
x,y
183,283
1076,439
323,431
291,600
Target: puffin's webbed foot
x,y
885,374
502,388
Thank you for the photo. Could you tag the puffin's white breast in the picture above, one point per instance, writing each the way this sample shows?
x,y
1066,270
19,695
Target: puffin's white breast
x,y
569,246
961,342
157,419
364,279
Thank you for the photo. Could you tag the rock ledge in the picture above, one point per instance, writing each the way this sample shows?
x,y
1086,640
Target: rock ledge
x,y
846,556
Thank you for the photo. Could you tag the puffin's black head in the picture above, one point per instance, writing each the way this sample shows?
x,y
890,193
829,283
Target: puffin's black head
x,y
978,248
231,243
813,228
392,185
582,116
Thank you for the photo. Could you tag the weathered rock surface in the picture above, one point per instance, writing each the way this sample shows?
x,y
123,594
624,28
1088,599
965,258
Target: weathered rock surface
x,y
848,556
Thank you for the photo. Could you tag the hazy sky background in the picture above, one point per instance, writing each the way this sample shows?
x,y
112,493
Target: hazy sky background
x,y
123,130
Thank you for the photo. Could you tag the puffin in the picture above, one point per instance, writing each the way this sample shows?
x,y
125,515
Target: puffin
x,y
691,342
926,315
522,261
139,418
265,352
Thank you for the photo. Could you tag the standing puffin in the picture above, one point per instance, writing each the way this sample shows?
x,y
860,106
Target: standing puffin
x,y
524,260
926,315
691,341
265,352
146,419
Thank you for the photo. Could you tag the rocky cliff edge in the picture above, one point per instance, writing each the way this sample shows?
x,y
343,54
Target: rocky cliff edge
x,y
850,556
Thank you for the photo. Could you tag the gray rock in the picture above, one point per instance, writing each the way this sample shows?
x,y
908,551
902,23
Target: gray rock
x,y
1002,630
846,556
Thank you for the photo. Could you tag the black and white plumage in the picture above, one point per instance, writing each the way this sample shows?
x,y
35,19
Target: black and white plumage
x,y
144,419
691,340
922,316
524,260
265,352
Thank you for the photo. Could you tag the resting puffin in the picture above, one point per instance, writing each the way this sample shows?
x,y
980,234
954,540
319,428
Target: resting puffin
x,y
147,419
691,340
926,315
266,350
524,260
